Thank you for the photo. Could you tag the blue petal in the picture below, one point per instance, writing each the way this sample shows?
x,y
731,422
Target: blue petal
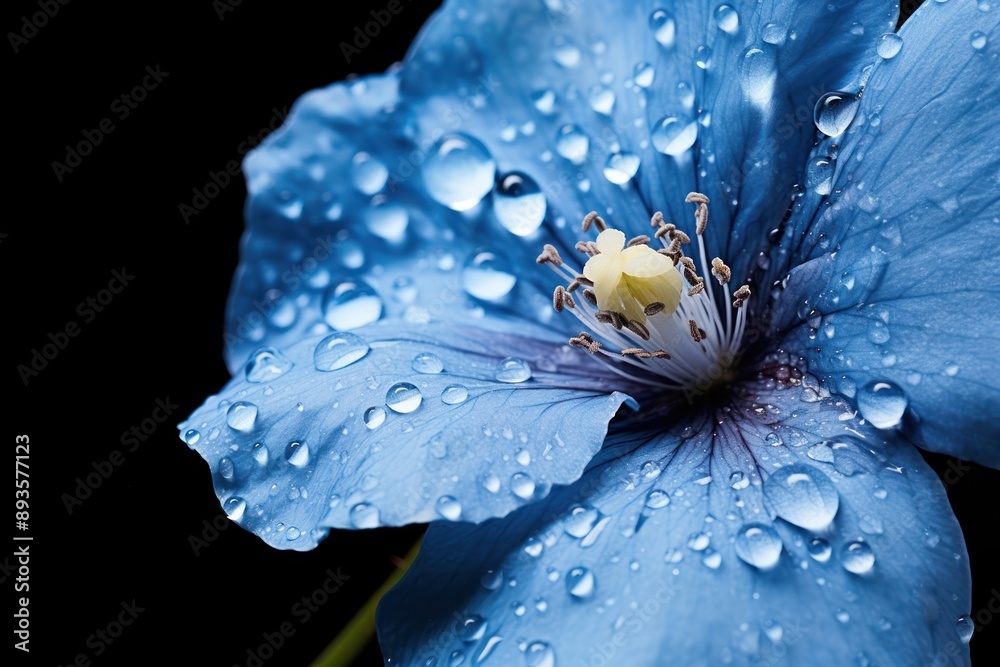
x,y
535,81
896,285
788,532
386,427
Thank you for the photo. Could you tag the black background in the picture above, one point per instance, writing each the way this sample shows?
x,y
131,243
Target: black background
x,y
161,338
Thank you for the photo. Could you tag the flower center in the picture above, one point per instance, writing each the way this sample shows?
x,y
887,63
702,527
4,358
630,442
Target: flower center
x,y
650,310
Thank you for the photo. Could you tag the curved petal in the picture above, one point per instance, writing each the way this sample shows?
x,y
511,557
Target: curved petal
x,y
895,285
387,427
786,532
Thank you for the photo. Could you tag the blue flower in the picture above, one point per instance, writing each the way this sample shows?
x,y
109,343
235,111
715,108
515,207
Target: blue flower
x,y
721,467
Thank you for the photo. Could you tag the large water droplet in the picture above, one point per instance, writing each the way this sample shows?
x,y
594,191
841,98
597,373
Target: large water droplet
x,y
834,112
374,417
572,143
657,498
758,74
368,174
882,404
265,365
403,398
241,416
819,549
351,304
226,467
235,508
487,276
580,583
621,167
297,453
472,628
539,654
643,74
428,364
664,28
857,557
803,495
758,545
602,100
965,627
519,204
387,219
889,45
727,19
674,134
454,394
364,515
978,40
191,437
459,172
513,370
261,454
339,350
522,486
772,33
581,521
449,508
819,175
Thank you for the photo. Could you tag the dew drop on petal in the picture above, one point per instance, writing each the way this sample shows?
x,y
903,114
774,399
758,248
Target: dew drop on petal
x,y
235,508
834,112
727,19
802,495
368,174
819,175
758,74
539,654
857,557
965,627
572,143
758,545
657,498
711,559
339,350
522,486
602,100
387,219
449,508
191,437
364,515
351,304
664,28
265,365
226,467
512,371
428,364
882,403
643,75
471,628
819,549
519,203
698,541
674,134
459,172
772,33
261,454
580,521
621,167
889,45
241,416
454,394
403,398
978,40
487,276
580,583
297,453
492,580
374,417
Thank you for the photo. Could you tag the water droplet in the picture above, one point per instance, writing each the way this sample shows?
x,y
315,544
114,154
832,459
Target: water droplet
x,y
487,276
572,143
602,100
261,454
711,559
454,394
519,203
449,508
758,545
889,45
643,75
241,416
803,495
292,533
698,542
265,365
882,404
544,100
351,304
459,172
621,167
819,175
738,480
472,628
191,437
758,74
819,549
857,557
513,371
664,28
427,364
965,627
374,417
364,515
368,174
580,583
834,112
226,467
339,350
492,580
703,56
491,483
978,40
842,616
522,486
674,134
234,508
581,521
657,498
387,219
403,398
772,33
539,654
297,453
727,19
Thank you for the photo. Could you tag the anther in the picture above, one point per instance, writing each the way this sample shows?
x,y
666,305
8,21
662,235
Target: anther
x,y
721,271
697,289
584,280
653,308
662,231
638,329
701,219
689,275
593,219
590,296
696,198
617,320
549,254
656,220
678,235
697,334
740,296
660,354
588,344
570,302
559,298
603,316
636,352
642,239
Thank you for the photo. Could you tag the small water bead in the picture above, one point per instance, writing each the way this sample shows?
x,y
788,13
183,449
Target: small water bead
x,y
241,416
602,100
368,174
703,56
487,276
738,480
698,542
459,172
834,112
620,168
472,628
454,394
643,74
297,453
374,417
428,364
522,486
235,507
261,454
403,398
580,583
803,495
449,508
882,404
387,219
512,371
492,580
339,350
265,365
657,498
674,134
772,33
565,53
889,45
711,559
572,143
727,19
539,654
191,437
819,175
978,40
664,28
491,483
519,203
364,515
581,521
351,304
758,545
819,550
226,467
544,100
857,557
965,627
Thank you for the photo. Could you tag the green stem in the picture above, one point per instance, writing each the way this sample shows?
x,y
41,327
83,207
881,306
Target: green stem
x,y
358,632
